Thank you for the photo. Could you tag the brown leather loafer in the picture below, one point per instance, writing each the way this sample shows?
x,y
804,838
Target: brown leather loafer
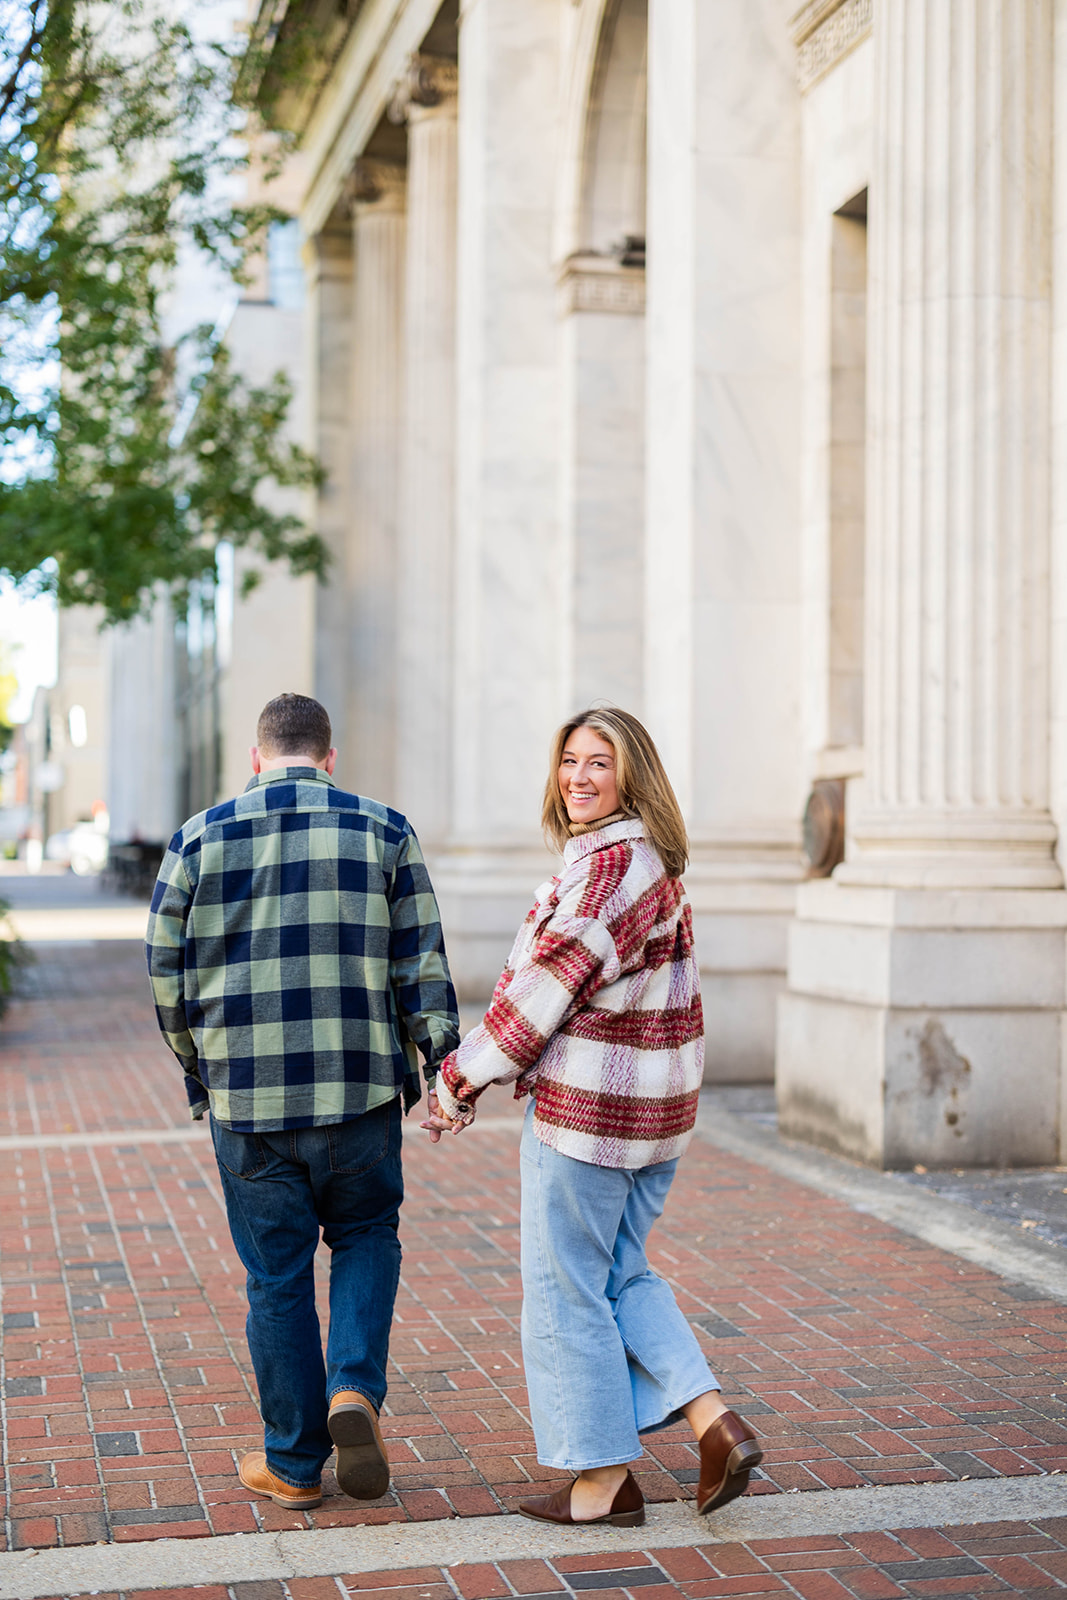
x,y
255,1474
627,1508
362,1465
728,1452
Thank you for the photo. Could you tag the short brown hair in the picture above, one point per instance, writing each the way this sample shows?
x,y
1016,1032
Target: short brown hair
x,y
294,725
644,788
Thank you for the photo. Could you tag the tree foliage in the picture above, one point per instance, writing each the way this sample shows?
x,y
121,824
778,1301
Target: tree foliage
x,y
118,151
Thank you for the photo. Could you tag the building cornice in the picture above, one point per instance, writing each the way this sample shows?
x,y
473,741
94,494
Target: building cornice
x,y
824,32
358,94
293,46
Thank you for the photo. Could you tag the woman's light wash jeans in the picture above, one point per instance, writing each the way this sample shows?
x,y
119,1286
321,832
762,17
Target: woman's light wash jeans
x,y
608,1354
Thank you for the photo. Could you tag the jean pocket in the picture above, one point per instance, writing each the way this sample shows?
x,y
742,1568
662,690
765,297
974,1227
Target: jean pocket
x,y
358,1145
242,1154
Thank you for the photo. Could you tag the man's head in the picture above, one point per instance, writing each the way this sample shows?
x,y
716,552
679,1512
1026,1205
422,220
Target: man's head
x,y
293,731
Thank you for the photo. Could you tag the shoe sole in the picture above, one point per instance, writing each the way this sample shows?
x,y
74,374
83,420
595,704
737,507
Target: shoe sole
x,y
303,1504
362,1469
739,1463
621,1519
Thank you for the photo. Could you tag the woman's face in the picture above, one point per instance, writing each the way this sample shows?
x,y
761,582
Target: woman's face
x,y
587,777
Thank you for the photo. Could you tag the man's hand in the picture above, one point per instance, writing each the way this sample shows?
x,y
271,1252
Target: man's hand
x,y
437,1123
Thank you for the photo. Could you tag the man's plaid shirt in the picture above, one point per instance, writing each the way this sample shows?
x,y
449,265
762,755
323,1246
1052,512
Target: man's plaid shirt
x,y
295,951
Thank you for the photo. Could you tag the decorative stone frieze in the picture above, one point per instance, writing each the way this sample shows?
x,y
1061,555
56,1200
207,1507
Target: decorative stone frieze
x,y
596,283
427,81
824,31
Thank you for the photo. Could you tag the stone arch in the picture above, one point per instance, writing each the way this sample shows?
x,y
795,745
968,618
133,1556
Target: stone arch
x,y
614,166
602,171
602,352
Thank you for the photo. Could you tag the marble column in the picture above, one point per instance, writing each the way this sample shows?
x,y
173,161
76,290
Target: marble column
x,y
723,597
509,567
932,965
328,310
602,305
378,192
426,100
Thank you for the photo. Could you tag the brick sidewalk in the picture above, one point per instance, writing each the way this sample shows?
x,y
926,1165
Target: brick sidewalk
x,y
864,1356
1027,1558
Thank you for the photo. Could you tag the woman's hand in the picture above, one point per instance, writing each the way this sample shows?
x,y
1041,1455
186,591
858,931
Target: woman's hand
x,y
437,1123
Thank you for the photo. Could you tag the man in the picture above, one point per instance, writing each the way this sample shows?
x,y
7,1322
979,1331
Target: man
x,y
296,958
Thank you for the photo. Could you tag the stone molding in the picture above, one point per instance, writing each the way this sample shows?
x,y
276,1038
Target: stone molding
x,y
824,31
376,182
597,283
428,82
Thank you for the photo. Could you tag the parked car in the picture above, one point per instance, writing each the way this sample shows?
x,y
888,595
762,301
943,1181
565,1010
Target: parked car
x,y
83,848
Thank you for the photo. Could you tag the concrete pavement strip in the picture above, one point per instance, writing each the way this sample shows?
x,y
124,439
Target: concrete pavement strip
x,y
196,1133
985,1242
327,1552
79,924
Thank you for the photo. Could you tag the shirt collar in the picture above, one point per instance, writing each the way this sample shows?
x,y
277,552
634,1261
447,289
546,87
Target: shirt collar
x,y
289,775
584,844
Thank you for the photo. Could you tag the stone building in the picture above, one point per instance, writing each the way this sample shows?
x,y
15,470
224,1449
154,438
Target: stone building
x,y
701,355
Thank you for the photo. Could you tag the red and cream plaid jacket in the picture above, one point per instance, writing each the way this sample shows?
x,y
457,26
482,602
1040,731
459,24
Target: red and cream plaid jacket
x,y
598,1010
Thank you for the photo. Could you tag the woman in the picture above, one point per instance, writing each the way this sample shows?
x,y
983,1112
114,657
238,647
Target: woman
x,y
597,1016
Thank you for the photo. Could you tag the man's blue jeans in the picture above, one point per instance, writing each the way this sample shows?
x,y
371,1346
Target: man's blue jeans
x,y
280,1189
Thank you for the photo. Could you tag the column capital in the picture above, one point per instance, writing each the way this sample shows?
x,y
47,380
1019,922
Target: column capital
x,y
428,83
376,183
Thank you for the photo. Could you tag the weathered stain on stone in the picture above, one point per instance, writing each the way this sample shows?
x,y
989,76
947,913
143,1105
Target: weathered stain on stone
x,y
805,1114
943,1071
941,1067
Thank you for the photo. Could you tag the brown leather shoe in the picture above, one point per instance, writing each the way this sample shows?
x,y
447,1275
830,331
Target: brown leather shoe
x,y
255,1474
728,1452
627,1508
362,1465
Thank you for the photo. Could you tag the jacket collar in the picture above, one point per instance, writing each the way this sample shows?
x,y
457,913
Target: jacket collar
x,y
600,838
289,775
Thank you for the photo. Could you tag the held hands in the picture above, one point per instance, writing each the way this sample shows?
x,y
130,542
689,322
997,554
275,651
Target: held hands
x,y
437,1123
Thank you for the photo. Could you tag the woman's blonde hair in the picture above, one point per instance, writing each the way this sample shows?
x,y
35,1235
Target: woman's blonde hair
x,y
644,787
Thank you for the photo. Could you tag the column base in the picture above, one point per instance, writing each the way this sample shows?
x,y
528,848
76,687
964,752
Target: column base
x,y
741,915
925,1026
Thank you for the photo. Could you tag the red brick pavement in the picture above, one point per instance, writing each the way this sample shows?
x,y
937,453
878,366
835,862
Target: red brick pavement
x,y
1023,1558
862,1355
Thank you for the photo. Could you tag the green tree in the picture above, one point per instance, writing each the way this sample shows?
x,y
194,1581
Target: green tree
x,y
119,144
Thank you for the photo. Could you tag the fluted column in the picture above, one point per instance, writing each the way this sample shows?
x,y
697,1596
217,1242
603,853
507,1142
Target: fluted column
x,y
427,101
328,263
378,221
958,487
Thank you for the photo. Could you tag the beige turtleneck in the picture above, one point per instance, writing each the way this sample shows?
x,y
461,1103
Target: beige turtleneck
x,y
599,822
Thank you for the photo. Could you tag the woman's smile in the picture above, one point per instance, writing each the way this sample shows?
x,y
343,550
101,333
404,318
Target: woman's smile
x,y
587,779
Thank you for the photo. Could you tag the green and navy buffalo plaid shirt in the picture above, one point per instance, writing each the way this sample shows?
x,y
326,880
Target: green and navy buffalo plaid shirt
x,y
295,951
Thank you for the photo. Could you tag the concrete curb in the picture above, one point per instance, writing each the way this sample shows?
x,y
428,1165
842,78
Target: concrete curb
x,y
260,1557
983,1241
